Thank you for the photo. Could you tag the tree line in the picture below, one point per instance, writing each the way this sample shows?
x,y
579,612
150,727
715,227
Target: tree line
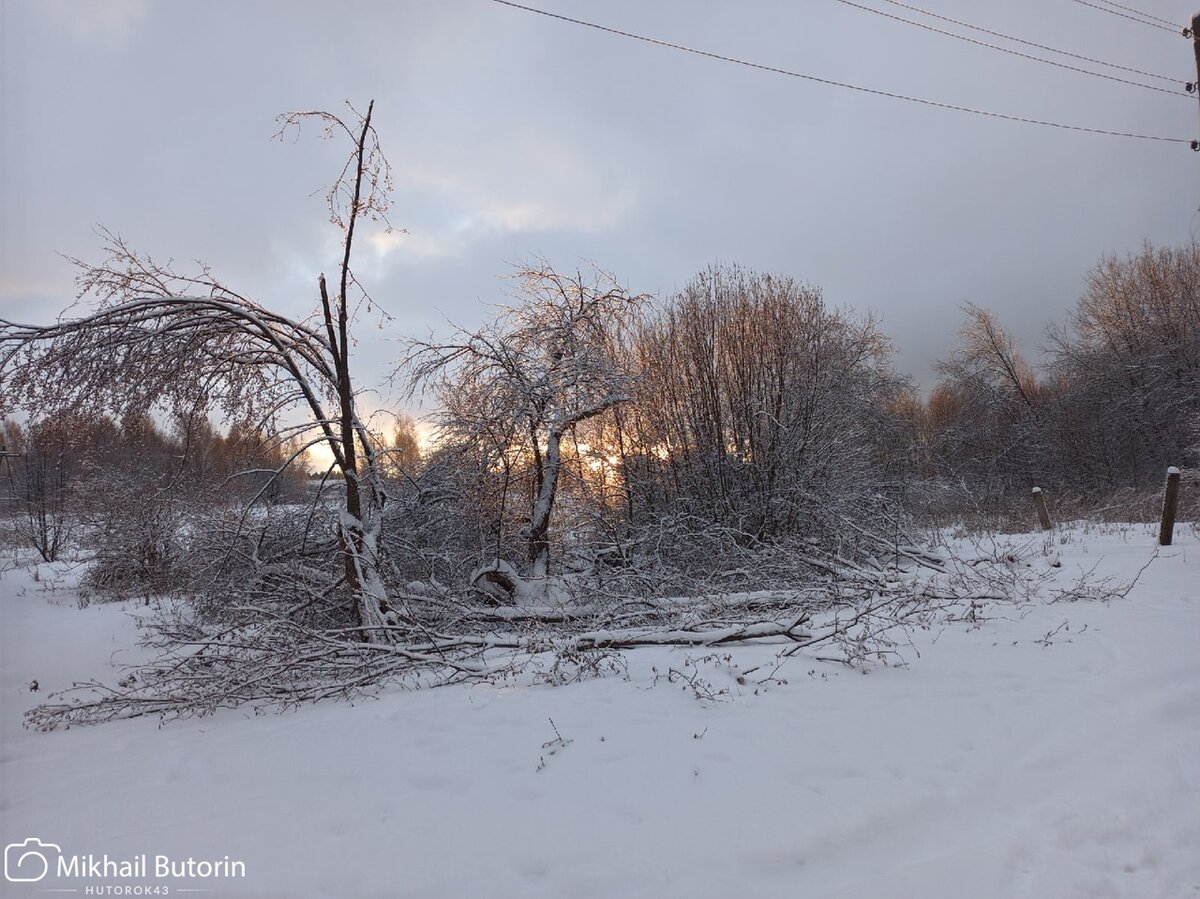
x,y
743,409
1116,401
126,488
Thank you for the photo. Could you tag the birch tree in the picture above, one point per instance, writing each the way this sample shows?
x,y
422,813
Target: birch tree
x,y
1129,363
177,340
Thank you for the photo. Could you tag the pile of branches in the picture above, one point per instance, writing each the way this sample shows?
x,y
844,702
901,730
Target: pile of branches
x,y
283,635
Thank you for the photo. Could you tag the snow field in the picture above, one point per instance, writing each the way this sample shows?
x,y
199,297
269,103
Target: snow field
x,y
994,765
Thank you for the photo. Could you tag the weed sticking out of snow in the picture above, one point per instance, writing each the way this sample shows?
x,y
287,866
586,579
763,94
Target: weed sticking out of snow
x,y
552,747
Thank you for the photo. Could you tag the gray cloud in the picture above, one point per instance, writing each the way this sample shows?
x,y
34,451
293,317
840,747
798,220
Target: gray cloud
x,y
512,135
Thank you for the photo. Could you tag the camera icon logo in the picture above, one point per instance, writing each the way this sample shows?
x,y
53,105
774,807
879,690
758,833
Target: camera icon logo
x,y
29,862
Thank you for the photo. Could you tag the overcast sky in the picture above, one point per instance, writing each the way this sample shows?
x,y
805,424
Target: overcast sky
x,y
512,134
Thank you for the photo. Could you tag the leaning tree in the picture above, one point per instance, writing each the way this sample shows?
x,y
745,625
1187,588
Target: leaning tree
x,y
182,342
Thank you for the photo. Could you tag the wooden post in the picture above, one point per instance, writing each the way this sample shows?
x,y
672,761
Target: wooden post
x,y
1170,506
1039,503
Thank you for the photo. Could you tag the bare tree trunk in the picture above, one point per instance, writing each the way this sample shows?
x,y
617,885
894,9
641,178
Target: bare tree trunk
x,y
358,527
539,521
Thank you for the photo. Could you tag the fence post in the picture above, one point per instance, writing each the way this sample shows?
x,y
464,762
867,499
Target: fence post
x,y
1170,506
1039,503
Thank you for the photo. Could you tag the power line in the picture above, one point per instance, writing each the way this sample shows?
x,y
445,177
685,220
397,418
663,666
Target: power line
x,y
830,82
1170,28
978,43
1017,40
1144,15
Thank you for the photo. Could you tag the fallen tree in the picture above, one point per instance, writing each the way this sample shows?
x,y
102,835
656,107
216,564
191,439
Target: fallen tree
x,y
277,649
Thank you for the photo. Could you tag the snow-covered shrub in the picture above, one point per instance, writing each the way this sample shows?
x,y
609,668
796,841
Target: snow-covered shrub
x,y
134,531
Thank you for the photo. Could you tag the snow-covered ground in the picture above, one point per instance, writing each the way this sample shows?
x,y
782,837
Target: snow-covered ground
x,y
1001,763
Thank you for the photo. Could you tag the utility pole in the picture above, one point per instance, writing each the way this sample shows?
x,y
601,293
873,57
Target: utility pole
x,y
1196,48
